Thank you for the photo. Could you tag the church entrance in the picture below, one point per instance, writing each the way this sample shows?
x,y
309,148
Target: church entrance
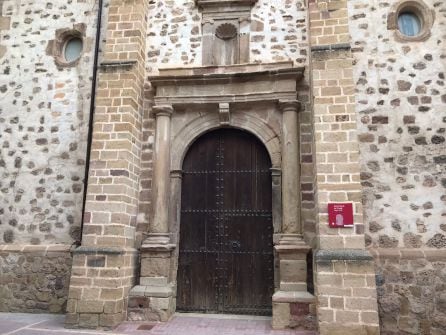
x,y
226,261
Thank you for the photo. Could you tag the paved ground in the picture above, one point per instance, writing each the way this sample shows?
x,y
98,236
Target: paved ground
x,y
181,324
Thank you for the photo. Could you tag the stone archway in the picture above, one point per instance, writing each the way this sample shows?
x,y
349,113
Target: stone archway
x,y
226,261
191,131
260,99
205,123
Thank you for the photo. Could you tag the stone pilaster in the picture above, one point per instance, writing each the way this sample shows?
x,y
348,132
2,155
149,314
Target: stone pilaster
x,y
104,265
346,289
153,299
344,271
291,303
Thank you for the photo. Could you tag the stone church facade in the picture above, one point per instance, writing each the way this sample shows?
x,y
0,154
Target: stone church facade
x,y
236,123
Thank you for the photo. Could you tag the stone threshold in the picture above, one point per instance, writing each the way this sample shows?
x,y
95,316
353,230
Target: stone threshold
x,y
223,316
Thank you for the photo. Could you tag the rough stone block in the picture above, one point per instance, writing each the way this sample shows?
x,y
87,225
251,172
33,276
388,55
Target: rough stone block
x,y
160,303
153,281
369,317
325,315
351,280
112,307
293,270
89,321
110,320
346,316
339,329
299,309
96,261
71,306
90,306
155,267
337,302
139,302
361,267
281,315
360,303
71,320
112,293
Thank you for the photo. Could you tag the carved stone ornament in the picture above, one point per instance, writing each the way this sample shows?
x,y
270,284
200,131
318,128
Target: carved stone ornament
x,y
226,31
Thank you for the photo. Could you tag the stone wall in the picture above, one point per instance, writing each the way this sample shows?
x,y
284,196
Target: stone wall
x,y
401,101
34,279
411,291
279,32
44,114
400,106
43,124
344,271
174,37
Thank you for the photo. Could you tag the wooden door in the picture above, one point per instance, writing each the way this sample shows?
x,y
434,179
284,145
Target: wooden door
x,y
226,247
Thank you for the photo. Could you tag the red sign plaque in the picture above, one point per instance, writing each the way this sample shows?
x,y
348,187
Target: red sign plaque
x,y
340,215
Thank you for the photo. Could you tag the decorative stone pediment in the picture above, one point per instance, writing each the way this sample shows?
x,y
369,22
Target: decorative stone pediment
x,y
226,30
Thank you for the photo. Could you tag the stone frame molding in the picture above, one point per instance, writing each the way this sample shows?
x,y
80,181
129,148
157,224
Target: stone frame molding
x,y
421,10
216,14
56,47
260,99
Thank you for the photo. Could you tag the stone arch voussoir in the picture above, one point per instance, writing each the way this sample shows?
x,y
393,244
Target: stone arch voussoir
x,y
190,132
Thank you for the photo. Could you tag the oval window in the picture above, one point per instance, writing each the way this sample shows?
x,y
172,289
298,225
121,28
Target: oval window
x,y
409,24
73,49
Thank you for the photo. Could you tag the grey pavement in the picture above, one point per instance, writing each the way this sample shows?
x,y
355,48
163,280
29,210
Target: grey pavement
x,y
181,324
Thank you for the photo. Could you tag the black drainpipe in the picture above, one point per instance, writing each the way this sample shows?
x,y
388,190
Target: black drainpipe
x,y
92,108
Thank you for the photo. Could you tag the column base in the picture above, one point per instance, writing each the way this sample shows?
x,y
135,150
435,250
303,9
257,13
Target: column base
x,y
295,310
154,299
151,303
293,305
292,253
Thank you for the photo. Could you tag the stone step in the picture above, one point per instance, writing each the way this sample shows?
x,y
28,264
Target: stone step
x,y
209,324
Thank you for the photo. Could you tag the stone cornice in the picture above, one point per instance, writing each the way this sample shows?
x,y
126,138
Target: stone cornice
x,y
227,84
220,78
231,73
223,3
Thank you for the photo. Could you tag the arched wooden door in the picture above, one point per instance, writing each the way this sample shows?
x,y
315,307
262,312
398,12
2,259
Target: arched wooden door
x,y
226,243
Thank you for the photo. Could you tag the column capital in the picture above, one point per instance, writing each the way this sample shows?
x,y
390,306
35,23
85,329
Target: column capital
x,y
163,110
290,105
276,172
176,174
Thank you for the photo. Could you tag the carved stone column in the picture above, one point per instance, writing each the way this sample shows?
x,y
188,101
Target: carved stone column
x,y
159,225
153,299
292,296
291,169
